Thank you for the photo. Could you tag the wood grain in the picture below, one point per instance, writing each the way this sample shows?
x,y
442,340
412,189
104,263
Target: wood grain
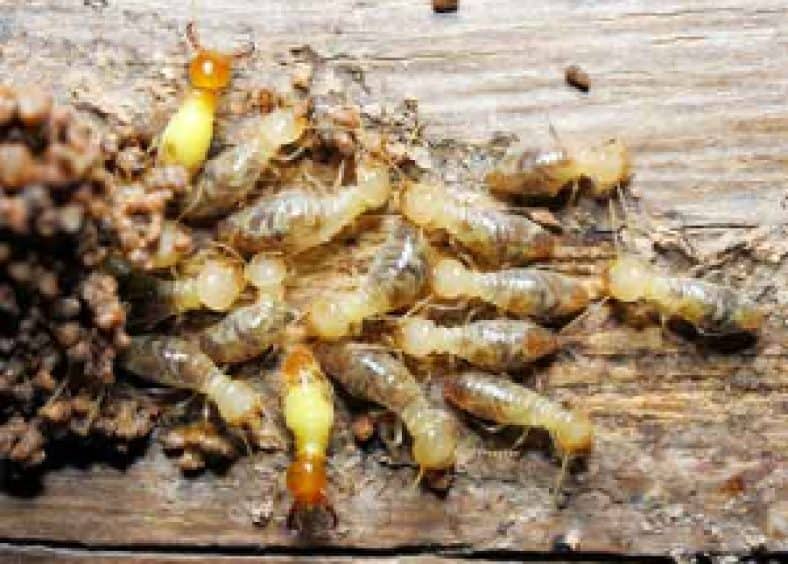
x,y
692,442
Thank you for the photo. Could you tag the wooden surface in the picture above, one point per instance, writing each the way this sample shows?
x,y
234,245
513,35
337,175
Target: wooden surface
x,y
692,442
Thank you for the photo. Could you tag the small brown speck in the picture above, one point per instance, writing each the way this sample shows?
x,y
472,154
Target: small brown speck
x,y
577,78
363,428
445,6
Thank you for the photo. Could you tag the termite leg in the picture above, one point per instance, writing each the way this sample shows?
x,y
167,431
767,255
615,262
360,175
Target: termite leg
x,y
521,439
560,478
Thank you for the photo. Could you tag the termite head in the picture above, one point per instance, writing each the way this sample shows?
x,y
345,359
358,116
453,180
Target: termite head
x,y
575,436
373,183
627,278
332,318
219,283
210,70
606,166
266,273
307,482
416,336
282,127
421,202
435,441
449,278
238,403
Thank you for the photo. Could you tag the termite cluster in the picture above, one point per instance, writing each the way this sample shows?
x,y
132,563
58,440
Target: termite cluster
x,y
203,240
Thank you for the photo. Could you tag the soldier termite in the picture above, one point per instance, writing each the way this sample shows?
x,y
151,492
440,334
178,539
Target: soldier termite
x,y
187,136
396,278
179,363
484,228
499,344
544,173
504,402
308,407
521,291
230,176
297,219
248,331
378,377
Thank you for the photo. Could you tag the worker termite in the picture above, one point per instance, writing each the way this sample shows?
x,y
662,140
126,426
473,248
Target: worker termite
x,y
297,219
710,308
376,376
187,136
395,280
499,344
179,363
308,406
504,402
483,228
247,331
521,291
544,173
230,176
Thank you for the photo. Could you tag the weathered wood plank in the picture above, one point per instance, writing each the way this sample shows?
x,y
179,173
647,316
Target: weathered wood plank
x,y
692,443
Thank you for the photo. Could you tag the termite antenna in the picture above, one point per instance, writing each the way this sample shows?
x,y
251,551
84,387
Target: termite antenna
x,y
593,308
560,480
192,36
615,226
418,479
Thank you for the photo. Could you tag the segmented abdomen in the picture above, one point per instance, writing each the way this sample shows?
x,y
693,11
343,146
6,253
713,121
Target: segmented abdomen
x,y
280,221
400,269
170,361
534,292
496,399
708,306
225,180
371,375
246,332
503,344
501,238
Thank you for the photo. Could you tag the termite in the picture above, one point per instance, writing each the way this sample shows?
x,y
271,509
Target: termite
x,y
212,281
710,308
378,377
247,331
396,278
179,363
307,400
521,291
501,401
486,230
499,344
187,137
230,176
544,173
297,219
